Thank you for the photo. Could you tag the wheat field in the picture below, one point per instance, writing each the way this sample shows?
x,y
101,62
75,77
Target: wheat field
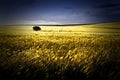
x,y
59,55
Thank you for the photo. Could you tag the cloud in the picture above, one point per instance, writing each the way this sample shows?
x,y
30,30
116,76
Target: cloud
x,y
105,10
109,5
16,2
37,22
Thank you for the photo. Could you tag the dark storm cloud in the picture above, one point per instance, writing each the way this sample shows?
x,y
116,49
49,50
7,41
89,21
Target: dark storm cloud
x,y
106,12
10,8
16,2
109,5
58,11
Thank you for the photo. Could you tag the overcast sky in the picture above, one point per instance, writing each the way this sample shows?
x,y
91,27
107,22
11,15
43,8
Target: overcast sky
x,y
59,11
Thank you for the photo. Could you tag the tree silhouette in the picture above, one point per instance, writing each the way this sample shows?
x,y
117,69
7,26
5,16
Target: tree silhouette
x,y
36,28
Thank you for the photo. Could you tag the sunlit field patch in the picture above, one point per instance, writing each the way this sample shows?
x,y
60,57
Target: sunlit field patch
x,y
59,56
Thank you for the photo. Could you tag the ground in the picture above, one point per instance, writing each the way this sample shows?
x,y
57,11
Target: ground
x,y
60,53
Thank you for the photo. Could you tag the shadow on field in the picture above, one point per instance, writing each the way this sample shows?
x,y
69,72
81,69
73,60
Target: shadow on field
x,y
24,72
107,71
34,72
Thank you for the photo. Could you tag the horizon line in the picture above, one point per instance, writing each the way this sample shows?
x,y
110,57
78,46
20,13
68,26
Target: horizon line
x,y
53,24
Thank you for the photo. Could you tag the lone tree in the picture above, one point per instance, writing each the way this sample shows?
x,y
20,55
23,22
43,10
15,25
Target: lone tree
x,y
36,28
